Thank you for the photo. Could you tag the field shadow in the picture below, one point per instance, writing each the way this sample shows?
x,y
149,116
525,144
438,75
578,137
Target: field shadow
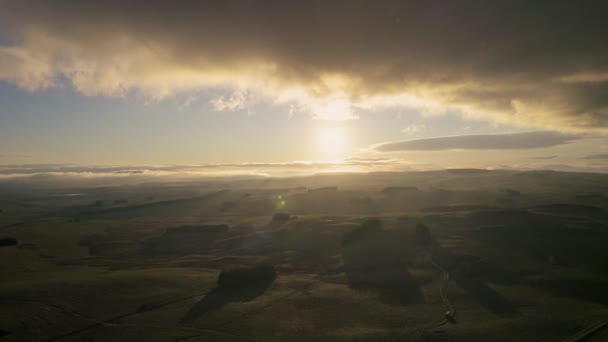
x,y
551,242
373,261
461,271
239,285
185,239
474,285
589,289
389,281
485,295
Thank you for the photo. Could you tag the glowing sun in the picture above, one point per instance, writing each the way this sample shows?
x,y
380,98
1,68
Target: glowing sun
x,y
333,142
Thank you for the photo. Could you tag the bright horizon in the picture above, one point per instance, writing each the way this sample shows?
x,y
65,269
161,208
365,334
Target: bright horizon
x,y
154,91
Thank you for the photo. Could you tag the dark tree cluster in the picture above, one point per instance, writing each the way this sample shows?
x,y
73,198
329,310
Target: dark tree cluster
x,y
245,276
8,241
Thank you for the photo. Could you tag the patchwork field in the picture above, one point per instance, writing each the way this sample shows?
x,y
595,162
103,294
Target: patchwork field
x,y
511,256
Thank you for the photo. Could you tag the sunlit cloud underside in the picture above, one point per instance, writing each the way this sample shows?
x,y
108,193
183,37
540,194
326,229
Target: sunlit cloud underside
x,y
330,61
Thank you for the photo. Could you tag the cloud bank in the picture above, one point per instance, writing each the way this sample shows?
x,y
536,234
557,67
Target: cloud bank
x,y
514,141
143,172
531,63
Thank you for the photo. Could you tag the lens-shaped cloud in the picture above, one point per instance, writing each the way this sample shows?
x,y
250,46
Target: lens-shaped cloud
x,y
514,141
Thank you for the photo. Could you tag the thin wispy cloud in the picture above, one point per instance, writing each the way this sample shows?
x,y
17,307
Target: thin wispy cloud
x,y
414,129
15,155
188,102
238,100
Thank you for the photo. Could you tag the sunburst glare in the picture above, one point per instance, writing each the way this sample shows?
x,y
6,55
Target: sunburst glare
x,y
333,142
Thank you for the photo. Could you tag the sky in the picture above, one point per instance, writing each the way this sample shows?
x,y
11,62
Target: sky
x,y
157,86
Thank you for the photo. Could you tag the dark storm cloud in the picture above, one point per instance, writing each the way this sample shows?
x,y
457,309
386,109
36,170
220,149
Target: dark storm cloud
x,y
513,141
535,63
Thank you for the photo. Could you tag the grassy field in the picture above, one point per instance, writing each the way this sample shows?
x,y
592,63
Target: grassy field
x,y
525,253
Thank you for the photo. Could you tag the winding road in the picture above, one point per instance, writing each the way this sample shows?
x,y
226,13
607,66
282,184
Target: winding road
x,y
416,334
443,292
